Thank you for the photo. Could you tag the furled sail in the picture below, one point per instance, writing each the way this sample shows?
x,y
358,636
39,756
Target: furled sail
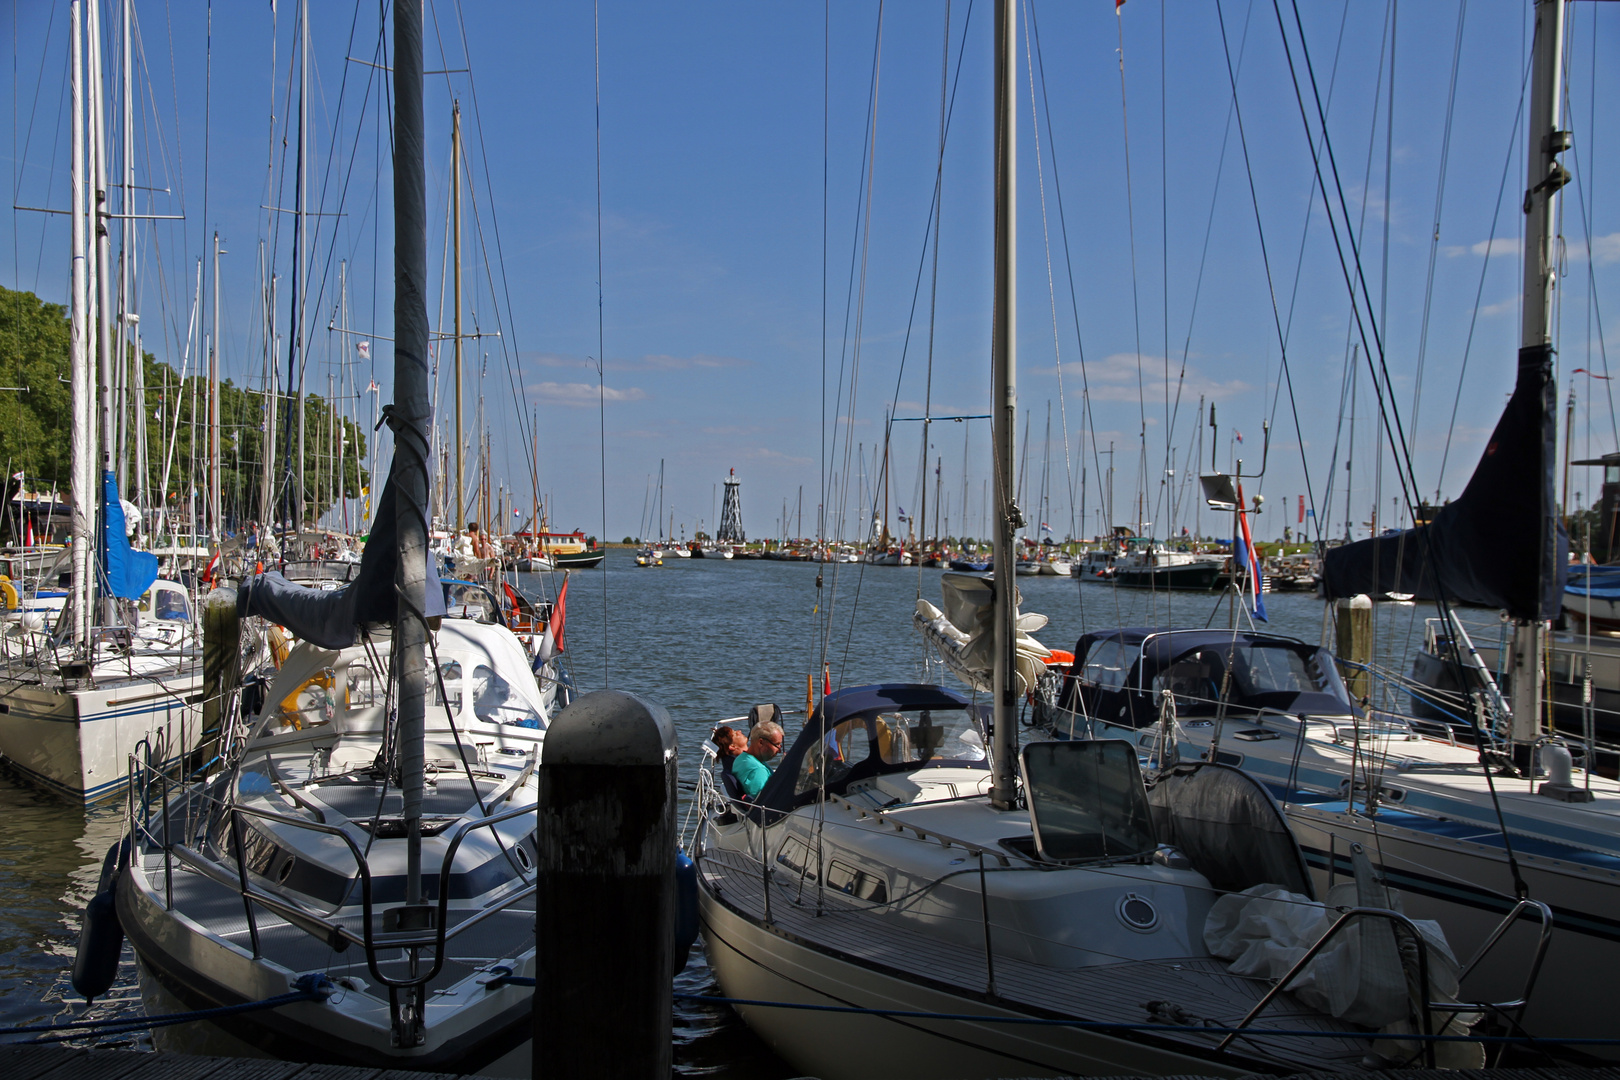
x,y
129,572
331,618
1500,543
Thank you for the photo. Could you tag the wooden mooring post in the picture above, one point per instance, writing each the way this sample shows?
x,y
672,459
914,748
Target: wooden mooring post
x,y
606,901
1355,639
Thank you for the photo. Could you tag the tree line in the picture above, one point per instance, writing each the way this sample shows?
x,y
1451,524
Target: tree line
x,y
36,419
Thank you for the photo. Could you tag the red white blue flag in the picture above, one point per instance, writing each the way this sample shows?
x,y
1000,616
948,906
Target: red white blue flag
x,y
1244,554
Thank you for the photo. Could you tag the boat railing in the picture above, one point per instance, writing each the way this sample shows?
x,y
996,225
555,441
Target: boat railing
x,y
433,933
1348,918
1427,1007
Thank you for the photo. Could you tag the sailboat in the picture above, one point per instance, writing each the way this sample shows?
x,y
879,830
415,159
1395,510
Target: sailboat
x,y
1491,830
369,835
959,907
120,667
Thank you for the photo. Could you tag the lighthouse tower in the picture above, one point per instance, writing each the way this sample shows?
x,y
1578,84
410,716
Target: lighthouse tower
x,y
731,530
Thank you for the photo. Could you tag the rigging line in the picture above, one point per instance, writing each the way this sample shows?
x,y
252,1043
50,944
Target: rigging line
x,y
1265,258
845,359
354,155
1357,277
931,225
1439,201
1361,223
1130,219
1441,600
1164,266
509,341
1586,224
1209,229
1389,412
826,113
601,355
938,214
863,250
1068,265
1310,201
1033,32
1046,237
1479,291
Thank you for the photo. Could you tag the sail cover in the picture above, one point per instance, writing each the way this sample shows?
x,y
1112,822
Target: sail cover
x,y
129,572
331,618
1500,543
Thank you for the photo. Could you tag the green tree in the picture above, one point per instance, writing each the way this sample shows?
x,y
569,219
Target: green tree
x,y
36,416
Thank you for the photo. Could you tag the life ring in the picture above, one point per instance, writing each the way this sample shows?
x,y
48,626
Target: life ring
x,y
280,646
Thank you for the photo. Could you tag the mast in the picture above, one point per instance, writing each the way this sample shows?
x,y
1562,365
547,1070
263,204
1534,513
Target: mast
x,y
1004,410
103,286
1546,176
271,400
82,379
126,259
216,527
301,254
455,229
410,422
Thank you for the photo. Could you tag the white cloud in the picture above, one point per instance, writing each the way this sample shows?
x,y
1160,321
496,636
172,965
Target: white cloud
x,y
1114,378
583,394
1605,249
662,362
1501,307
1497,245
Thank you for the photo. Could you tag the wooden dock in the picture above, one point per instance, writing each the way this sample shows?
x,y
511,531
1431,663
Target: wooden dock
x,y
70,1063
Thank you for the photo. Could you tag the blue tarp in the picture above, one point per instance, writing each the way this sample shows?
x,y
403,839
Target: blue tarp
x,y
129,572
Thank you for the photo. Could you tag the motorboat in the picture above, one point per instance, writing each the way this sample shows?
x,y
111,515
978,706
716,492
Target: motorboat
x,y
1147,564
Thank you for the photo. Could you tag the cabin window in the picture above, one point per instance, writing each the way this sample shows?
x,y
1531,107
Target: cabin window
x,y
171,606
1107,664
495,702
446,690
857,883
1194,680
922,737
829,761
795,855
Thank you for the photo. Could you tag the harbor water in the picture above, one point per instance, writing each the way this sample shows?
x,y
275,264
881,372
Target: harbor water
x,y
706,638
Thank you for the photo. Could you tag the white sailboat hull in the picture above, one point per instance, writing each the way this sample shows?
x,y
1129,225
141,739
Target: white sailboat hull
x,y
751,960
77,743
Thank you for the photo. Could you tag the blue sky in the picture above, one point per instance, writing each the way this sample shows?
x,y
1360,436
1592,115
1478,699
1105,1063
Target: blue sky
x,y
730,296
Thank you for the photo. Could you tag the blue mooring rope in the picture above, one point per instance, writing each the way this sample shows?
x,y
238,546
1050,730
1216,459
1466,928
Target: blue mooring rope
x,y
1104,1025
312,987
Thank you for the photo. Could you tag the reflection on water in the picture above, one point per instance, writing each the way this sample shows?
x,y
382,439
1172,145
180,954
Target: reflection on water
x,y
706,638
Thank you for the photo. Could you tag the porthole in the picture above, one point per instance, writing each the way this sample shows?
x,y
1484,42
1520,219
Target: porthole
x,y
523,857
285,870
1137,912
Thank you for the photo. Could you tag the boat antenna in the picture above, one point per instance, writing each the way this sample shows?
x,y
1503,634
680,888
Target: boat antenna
x,y
1008,518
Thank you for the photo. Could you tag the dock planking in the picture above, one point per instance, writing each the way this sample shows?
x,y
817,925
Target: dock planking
x,y
72,1063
